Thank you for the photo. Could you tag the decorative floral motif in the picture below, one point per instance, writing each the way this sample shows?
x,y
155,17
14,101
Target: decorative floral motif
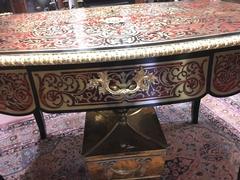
x,y
226,73
123,85
178,166
118,26
72,89
15,92
214,151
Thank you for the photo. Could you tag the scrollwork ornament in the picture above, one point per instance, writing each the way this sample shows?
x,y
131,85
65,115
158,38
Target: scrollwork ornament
x,y
15,92
189,77
226,73
57,90
140,82
91,87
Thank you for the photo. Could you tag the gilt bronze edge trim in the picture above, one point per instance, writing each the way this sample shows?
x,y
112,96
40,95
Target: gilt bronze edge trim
x,y
76,57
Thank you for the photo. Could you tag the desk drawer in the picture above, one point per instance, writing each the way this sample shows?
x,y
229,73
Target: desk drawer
x,y
119,86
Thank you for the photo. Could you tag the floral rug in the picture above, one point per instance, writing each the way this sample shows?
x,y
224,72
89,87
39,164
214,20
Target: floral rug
x,y
209,150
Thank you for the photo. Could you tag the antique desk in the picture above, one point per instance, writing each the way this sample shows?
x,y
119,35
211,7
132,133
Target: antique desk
x,y
118,58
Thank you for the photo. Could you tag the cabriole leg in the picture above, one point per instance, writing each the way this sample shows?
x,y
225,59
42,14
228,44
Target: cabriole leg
x,y
195,110
41,123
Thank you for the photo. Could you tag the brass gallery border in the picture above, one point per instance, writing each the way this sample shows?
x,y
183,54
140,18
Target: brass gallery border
x,y
118,54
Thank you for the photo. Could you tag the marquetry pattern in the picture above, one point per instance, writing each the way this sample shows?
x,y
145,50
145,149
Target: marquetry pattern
x,y
15,92
117,26
121,85
226,73
133,32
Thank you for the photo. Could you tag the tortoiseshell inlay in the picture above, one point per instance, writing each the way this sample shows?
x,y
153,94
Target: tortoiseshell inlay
x,y
15,92
226,73
72,89
118,26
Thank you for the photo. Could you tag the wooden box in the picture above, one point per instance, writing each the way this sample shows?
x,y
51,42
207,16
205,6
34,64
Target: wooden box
x,y
135,149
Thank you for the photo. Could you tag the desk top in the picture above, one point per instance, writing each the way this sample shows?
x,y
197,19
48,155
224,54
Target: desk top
x,y
118,32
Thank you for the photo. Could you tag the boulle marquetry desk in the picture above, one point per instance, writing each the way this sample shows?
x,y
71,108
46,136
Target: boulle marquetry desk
x,y
121,58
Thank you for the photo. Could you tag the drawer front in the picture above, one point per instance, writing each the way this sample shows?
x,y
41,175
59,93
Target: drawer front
x,y
120,86
16,95
141,165
226,73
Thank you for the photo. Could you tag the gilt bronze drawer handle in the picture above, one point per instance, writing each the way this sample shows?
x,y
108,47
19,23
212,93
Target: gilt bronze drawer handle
x,y
122,85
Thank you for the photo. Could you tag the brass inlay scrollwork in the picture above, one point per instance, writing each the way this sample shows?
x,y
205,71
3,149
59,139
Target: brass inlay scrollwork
x,y
140,82
15,92
226,73
117,85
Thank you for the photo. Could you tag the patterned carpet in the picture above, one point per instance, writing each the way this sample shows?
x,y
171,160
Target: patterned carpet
x,y
209,150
